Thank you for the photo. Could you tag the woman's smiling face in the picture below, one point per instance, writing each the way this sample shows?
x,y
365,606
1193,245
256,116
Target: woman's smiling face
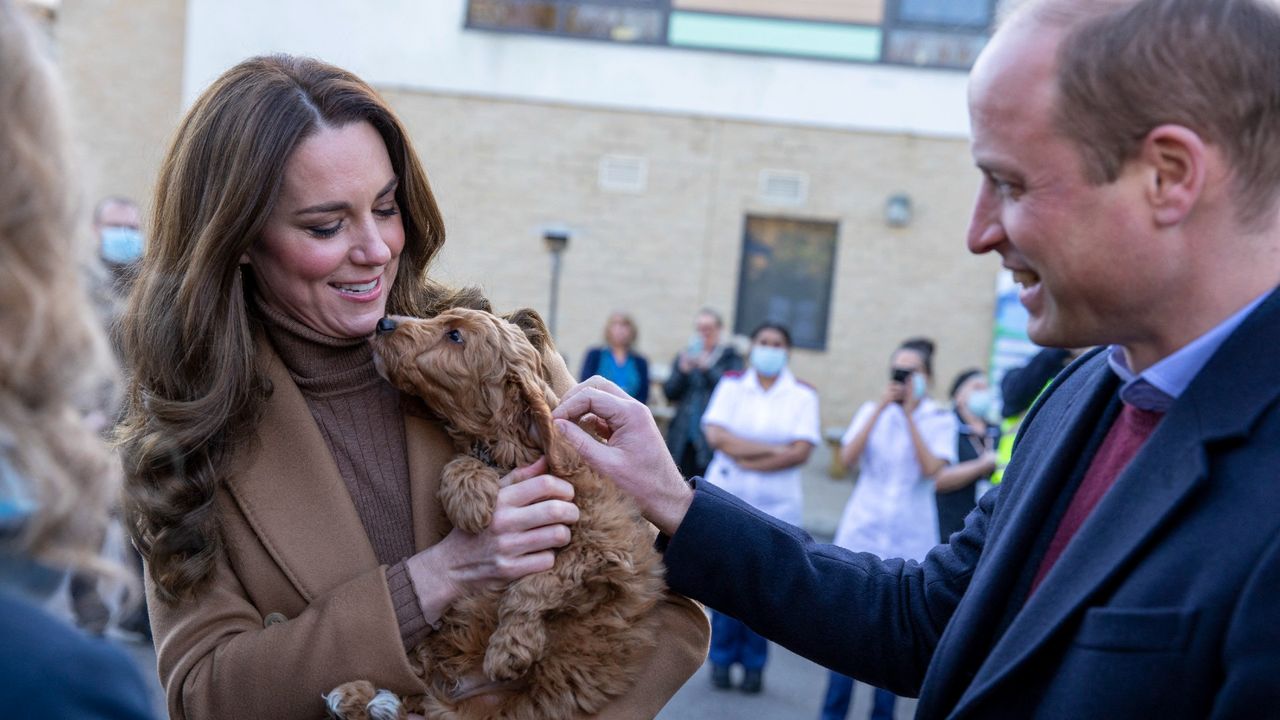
x,y
329,252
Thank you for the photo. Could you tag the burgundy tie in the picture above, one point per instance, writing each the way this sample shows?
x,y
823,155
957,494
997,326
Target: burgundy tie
x,y
1127,434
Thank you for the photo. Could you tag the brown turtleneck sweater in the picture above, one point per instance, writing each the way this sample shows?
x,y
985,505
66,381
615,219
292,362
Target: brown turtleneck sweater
x,y
359,416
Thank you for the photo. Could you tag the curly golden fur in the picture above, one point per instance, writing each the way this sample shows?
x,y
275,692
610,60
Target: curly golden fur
x,y
559,643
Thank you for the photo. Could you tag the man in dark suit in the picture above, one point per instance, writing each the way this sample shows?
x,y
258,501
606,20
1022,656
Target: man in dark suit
x,y
1129,564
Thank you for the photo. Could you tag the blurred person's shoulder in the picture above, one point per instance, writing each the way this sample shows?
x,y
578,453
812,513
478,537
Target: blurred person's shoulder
x,y
51,669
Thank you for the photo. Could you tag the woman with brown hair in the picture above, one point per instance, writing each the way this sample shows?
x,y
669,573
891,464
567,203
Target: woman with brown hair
x,y
56,474
282,492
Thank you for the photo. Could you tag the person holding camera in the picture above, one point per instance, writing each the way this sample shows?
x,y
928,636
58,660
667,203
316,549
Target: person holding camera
x,y
899,443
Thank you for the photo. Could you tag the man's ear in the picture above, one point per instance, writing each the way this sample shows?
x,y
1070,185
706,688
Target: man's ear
x,y
1178,162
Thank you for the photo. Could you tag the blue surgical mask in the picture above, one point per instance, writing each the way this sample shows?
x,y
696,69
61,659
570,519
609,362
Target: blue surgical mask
x,y
981,403
918,385
121,245
768,361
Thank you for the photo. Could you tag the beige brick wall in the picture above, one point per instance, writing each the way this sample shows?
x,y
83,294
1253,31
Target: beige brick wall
x,y
122,65
503,170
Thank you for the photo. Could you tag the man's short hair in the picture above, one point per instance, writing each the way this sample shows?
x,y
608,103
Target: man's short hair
x,y
1211,66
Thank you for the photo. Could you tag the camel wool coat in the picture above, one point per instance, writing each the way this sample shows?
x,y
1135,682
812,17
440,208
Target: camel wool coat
x,y
298,603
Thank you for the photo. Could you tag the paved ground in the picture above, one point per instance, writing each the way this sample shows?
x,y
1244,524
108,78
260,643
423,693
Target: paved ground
x,y
793,686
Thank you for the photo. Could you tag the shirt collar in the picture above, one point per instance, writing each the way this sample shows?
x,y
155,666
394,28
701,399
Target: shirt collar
x,y
1158,386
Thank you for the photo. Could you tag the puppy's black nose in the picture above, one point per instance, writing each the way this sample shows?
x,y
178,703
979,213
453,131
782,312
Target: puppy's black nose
x,y
386,325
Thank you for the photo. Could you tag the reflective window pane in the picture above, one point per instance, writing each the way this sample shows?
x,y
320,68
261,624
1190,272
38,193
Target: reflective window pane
x,y
786,277
507,15
932,49
612,22
967,13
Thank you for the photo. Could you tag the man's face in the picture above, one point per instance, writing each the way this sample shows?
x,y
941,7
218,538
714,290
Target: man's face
x,y
1085,254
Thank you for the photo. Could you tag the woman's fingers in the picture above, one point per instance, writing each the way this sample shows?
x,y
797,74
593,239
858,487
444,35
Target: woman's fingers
x,y
535,489
524,473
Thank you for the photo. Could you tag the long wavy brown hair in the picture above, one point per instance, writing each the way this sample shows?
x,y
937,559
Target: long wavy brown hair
x,y
196,389
53,353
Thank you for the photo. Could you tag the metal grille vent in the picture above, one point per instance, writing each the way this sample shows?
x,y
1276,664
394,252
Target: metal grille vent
x,y
784,187
623,173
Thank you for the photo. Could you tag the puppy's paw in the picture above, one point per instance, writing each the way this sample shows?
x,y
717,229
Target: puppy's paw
x,y
468,492
359,700
510,654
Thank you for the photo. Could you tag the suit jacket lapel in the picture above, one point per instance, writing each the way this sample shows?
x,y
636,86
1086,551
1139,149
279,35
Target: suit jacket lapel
x,y
1235,386
1154,485
291,493
1033,482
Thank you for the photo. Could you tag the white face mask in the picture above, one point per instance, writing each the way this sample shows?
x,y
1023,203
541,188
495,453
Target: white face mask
x,y
982,404
918,385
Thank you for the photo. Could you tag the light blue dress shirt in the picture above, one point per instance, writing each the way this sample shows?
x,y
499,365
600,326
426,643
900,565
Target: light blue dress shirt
x,y
1158,386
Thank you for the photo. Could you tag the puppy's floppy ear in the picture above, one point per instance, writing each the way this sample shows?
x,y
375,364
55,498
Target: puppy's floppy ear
x,y
530,323
525,373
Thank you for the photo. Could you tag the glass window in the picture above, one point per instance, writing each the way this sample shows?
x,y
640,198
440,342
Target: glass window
x,y
945,13
786,277
507,15
932,33
614,22
932,49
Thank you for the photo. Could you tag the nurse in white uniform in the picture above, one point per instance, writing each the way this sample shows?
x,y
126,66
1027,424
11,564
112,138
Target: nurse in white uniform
x,y
763,423
900,441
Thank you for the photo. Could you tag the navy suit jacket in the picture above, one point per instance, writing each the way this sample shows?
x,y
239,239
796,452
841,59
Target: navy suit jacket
x,y
48,669
1166,604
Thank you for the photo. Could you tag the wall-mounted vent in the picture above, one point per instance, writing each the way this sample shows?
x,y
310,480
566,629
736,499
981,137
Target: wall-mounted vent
x,y
784,187
624,173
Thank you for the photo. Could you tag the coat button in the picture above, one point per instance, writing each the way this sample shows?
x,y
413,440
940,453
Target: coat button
x,y
274,618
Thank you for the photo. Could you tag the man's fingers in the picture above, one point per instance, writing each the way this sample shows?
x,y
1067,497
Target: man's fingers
x,y
595,382
588,447
524,473
608,407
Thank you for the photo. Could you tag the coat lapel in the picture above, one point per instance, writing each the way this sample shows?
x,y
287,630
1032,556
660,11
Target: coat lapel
x,y
1237,384
429,450
1154,485
1033,482
291,493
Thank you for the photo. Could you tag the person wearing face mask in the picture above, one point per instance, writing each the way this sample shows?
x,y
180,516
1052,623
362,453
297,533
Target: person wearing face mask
x,y
977,434
899,443
117,224
116,227
762,423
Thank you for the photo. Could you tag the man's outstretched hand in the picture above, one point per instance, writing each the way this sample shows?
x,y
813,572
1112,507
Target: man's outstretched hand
x,y
633,453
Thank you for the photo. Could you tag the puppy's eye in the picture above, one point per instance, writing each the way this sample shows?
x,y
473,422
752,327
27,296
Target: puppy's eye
x,y
454,336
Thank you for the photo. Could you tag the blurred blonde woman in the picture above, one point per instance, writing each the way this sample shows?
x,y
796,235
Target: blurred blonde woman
x,y
617,359
56,476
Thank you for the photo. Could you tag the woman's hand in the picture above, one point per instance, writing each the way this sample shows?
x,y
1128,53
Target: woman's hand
x,y
531,518
894,392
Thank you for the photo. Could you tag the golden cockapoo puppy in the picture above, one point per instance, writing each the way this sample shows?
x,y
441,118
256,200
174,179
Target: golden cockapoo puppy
x,y
554,644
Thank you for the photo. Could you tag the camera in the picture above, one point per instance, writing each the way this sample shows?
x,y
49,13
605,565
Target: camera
x,y
900,375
